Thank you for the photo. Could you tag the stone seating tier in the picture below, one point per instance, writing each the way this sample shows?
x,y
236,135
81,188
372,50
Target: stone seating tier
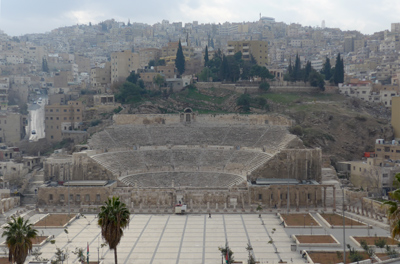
x,y
183,179
127,162
128,136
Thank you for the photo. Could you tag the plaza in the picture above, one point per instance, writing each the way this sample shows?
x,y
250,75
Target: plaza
x,y
194,238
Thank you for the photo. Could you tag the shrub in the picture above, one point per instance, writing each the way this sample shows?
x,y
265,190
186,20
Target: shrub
x,y
296,130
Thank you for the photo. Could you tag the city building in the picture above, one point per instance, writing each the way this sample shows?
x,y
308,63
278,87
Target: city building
x,y
62,117
255,48
122,64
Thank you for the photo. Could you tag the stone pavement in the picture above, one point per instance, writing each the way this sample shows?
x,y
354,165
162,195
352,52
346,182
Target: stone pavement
x,y
152,239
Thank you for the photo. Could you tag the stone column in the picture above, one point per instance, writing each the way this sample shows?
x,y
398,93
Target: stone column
x,y
334,198
316,198
288,199
279,198
297,199
324,198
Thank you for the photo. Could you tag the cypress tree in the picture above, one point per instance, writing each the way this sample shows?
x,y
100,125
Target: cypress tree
x,y
224,70
180,60
206,57
326,70
341,79
338,76
297,68
307,71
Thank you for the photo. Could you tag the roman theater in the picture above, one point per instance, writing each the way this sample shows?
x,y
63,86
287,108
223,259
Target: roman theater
x,y
210,162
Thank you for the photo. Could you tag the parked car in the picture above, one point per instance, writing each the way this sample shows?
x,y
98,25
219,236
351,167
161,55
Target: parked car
x,y
33,132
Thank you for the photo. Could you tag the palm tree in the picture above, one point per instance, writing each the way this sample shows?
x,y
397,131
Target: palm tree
x,y
19,235
393,211
113,218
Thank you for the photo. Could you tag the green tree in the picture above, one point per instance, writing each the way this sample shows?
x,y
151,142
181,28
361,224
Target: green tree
x,y
338,76
129,93
205,74
79,252
393,210
206,57
316,80
296,69
354,255
224,251
180,60
307,71
380,243
19,234
133,77
159,80
113,218
224,69
327,69
369,250
264,86
244,102
250,259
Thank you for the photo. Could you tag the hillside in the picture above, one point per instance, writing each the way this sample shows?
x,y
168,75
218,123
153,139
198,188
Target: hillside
x,y
343,127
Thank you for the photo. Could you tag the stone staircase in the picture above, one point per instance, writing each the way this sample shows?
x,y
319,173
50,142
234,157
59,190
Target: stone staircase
x,y
257,161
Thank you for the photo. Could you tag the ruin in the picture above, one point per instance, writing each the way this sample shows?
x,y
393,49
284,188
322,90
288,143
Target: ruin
x,y
209,162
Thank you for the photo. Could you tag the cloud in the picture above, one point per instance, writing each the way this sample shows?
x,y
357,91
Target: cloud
x,y
27,16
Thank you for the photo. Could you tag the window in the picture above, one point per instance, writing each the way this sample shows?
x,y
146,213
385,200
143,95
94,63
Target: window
x,y
384,175
65,110
97,197
378,149
62,197
57,118
259,196
78,198
387,149
71,197
87,197
387,157
52,137
50,197
51,110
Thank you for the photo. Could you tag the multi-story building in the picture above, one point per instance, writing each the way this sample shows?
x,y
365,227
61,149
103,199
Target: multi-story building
x,y
60,118
258,49
146,55
396,116
122,64
4,86
11,127
100,77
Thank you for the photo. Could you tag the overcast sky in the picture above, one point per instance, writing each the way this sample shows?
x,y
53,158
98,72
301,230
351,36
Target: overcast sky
x,y
19,17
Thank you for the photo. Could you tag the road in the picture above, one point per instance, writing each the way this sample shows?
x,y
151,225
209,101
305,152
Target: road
x,y
36,120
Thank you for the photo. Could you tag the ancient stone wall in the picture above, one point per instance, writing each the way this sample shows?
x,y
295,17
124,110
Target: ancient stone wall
x,y
147,119
78,196
300,164
213,199
85,168
57,169
253,87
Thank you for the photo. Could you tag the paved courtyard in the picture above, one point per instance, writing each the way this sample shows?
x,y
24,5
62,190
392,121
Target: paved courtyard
x,y
193,238
179,239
